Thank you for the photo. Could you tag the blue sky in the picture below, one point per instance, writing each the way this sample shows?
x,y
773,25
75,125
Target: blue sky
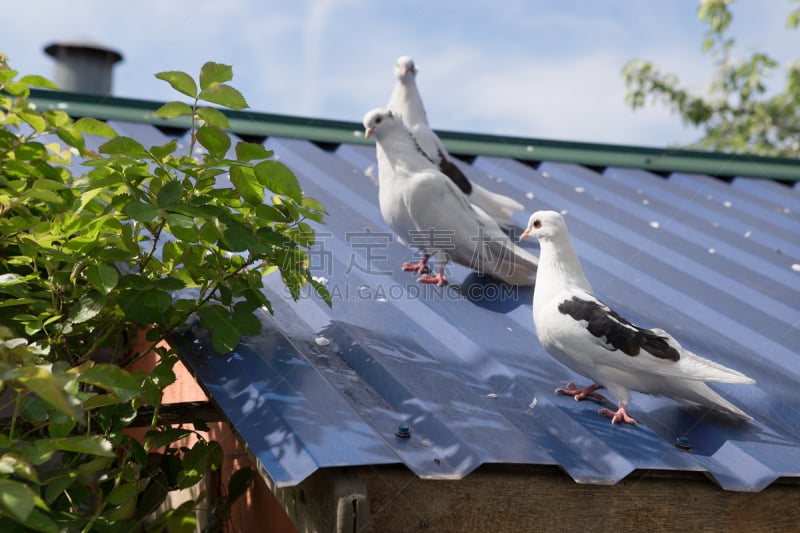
x,y
534,68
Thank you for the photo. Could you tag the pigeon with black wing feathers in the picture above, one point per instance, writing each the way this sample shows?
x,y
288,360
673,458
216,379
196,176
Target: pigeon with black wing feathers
x,y
588,337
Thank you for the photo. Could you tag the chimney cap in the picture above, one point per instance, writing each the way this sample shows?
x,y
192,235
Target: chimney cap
x,y
82,45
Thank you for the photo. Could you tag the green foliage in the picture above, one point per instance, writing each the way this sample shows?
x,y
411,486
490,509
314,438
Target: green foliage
x,y
737,115
143,237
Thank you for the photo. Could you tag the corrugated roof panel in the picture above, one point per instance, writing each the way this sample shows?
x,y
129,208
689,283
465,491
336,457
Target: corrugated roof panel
x,y
461,364
744,253
726,197
779,198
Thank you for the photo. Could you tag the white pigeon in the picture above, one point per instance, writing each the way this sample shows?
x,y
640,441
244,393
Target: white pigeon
x,y
427,211
585,335
406,102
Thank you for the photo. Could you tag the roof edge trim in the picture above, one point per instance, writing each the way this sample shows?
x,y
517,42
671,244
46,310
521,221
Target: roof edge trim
x,y
522,148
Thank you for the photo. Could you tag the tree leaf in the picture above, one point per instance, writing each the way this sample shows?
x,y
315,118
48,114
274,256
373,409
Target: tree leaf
x,y
38,81
195,464
246,321
144,306
122,493
88,444
41,381
173,109
57,118
159,438
794,19
113,379
152,496
72,137
224,334
244,179
92,126
87,307
200,425
170,194
102,277
17,499
214,140
123,146
35,120
237,237
214,73
182,227
160,152
38,520
17,88
55,486
180,81
183,519
270,214
246,151
239,483
224,95
14,463
101,400
141,212
60,425
277,177
213,116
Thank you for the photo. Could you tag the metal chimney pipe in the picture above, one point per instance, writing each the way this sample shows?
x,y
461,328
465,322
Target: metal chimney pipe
x,y
83,66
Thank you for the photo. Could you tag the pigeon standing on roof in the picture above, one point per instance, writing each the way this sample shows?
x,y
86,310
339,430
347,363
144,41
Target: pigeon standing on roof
x,y
594,341
406,102
427,211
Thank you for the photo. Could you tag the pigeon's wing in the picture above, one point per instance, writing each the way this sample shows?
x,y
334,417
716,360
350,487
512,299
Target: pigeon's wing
x,y
438,208
464,232
433,148
429,142
634,349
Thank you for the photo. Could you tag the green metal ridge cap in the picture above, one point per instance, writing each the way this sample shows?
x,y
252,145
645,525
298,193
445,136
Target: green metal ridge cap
x,y
607,155
469,144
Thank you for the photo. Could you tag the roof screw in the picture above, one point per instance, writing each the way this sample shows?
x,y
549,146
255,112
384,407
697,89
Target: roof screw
x,y
402,431
683,443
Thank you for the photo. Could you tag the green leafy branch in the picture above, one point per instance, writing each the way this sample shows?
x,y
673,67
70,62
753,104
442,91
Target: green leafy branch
x,y
737,115
144,237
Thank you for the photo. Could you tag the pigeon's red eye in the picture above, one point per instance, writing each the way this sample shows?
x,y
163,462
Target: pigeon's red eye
x,y
537,223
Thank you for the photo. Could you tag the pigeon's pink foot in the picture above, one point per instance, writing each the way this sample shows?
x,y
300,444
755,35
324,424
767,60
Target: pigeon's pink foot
x,y
621,415
437,279
583,393
421,267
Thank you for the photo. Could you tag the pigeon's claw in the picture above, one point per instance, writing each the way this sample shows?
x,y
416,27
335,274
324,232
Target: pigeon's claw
x,y
438,279
620,415
582,393
421,267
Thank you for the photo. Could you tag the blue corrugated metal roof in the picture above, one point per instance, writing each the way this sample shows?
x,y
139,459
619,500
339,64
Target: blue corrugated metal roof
x,y
714,262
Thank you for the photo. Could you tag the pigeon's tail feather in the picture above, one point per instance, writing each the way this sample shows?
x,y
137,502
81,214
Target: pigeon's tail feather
x,y
517,267
700,393
702,369
499,207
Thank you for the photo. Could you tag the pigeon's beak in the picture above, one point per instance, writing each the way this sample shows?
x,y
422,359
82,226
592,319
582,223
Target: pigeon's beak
x,y
368,133
525,235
